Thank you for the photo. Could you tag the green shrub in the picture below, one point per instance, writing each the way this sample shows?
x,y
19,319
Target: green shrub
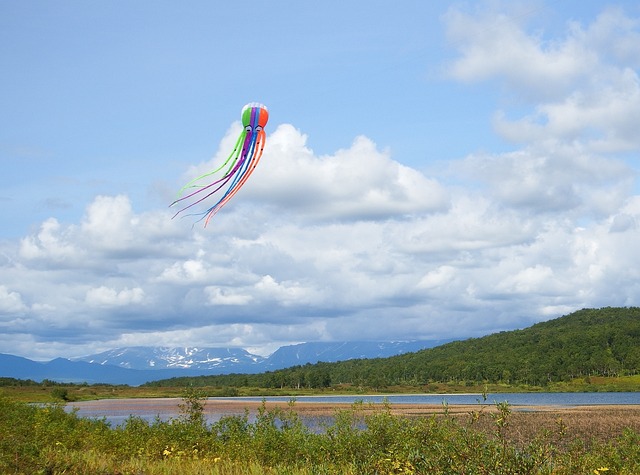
x,y
362,440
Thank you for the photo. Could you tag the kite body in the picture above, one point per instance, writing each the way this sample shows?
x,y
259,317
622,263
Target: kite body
x,y
235,170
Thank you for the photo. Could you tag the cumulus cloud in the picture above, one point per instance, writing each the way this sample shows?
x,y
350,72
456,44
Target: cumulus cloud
x,y
51,243
552,177
599,116
494,44
359,182
219,296
10,302
578,98
584,86
108,297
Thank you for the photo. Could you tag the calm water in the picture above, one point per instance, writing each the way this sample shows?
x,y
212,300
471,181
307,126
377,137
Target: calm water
x,y
116,411
515,399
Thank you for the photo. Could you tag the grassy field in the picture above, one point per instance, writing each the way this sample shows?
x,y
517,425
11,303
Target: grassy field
x,y
359,440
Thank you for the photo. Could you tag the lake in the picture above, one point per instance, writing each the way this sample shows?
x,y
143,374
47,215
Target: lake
x,y
515,399
116,411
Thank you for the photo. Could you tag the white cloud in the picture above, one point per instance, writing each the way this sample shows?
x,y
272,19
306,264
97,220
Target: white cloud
x,y
578,101
584,86
600,117
218,296
10,302
532,280
107,297
185,273
53,242
552,177
286,293
438,278
494,44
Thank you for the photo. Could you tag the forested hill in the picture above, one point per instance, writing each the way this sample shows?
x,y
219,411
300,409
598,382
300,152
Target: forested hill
x,y
589,342
604,342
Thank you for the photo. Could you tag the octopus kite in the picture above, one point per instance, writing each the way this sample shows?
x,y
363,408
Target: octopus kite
x,y
235,170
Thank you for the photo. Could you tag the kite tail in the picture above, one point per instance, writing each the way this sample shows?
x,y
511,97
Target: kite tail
x,y
233,175
227,176
251,167
204,197
233,154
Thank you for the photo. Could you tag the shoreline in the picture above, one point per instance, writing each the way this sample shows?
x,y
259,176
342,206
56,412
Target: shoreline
x,y
232,406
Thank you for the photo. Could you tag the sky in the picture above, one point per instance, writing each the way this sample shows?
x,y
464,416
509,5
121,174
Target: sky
x,y
432,170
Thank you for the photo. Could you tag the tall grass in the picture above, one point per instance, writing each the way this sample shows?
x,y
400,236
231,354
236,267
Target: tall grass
x,y
48,440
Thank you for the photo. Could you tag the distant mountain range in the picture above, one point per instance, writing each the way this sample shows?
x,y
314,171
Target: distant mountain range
x,y
160,358
138,365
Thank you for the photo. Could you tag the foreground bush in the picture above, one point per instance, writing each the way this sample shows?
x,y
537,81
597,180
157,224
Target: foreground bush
x,y
48,440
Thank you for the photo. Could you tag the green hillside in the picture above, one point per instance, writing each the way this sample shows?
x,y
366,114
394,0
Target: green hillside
x,y
604,342
587,343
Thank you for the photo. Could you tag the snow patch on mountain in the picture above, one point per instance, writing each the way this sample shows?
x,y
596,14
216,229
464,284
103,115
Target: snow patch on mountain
x,y
147,357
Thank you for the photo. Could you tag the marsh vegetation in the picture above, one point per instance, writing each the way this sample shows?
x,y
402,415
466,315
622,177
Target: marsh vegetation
x,y
490,439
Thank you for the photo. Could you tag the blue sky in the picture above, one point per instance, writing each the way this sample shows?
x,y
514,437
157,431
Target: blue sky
x,y
432,170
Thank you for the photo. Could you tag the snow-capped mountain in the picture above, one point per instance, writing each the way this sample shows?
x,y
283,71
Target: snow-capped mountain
x,y
143,357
